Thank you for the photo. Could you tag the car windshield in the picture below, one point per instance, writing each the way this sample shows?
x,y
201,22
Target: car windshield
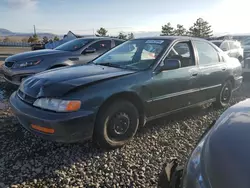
x,y
73,45
217,43
138,54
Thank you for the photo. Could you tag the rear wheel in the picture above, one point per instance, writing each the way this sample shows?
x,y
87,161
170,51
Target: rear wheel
x,y
116,124
225,95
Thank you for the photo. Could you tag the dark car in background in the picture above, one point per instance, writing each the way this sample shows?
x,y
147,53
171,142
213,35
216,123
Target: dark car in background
x,y
109,98
20,66
232,48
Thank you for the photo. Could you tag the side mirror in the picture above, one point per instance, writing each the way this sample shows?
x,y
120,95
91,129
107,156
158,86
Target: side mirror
x,y
89,50
170,64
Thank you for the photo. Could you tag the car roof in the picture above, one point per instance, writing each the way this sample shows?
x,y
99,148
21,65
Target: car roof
x,y
171,38
217,40
98,38
228,40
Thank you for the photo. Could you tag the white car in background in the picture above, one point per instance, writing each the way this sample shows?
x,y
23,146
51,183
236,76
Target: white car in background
x,y
232,48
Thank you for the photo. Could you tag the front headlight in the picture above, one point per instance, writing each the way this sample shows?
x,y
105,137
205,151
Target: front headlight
x,y
26,64
193,176
58,105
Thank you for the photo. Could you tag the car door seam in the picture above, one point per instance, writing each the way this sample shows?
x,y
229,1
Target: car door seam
x,y
173,94
210,87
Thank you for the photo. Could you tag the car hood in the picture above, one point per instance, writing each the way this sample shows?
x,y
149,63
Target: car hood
x,y
36,54
58,82
226,146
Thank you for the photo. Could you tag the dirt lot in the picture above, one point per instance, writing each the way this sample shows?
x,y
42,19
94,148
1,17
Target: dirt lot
x,y
7,51
28,161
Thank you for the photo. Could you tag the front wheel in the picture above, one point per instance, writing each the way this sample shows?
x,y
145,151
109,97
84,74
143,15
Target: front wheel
x,y
116,124
224,96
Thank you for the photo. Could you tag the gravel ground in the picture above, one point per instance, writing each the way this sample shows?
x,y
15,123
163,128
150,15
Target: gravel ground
x,y
28,161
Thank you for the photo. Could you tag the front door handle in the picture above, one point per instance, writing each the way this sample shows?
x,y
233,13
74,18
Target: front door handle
x,y
194,74
223,69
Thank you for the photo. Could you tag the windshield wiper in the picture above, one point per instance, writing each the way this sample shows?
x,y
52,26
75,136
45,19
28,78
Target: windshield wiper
x,y
117,66
110,65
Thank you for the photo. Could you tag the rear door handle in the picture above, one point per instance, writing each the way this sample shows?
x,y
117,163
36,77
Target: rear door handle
x,y
194,74
223,69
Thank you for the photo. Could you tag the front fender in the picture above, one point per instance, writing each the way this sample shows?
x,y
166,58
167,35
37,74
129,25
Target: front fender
x,y
64,62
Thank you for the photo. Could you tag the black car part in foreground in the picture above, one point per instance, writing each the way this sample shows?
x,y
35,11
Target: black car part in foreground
x,y
135,82
171,175
221,157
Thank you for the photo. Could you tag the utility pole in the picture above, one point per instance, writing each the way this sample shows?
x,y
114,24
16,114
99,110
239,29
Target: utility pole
x,y
34,30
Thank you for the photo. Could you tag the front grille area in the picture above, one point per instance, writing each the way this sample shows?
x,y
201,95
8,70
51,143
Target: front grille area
x,y
9,64
26,98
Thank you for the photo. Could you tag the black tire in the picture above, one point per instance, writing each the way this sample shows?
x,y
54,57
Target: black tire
x,y
225,95
110,135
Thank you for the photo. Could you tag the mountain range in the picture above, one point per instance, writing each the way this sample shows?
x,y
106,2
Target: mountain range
x,y
8,33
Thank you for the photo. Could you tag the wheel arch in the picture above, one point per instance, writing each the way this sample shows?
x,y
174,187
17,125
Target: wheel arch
x,y
131,97
231,79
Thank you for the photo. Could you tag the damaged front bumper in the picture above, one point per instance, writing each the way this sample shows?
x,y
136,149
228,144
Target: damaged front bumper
x,y
67,127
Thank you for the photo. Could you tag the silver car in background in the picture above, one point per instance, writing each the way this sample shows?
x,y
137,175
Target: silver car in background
x,y
232,48
18,67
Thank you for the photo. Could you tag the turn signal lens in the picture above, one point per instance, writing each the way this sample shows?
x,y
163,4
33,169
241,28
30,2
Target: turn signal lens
x,y
43,129
73,105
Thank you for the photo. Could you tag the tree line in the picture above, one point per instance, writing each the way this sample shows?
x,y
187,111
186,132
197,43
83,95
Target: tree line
x,y
45,40
104,33
101,32
200,28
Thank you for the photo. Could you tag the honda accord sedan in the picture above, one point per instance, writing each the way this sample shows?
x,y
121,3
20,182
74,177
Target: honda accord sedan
x,y
20,66
109,98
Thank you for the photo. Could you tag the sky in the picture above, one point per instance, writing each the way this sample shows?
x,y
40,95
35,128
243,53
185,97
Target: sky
x,y
86,16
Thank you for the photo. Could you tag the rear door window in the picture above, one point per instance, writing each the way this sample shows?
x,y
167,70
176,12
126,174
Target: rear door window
x,y
206,53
